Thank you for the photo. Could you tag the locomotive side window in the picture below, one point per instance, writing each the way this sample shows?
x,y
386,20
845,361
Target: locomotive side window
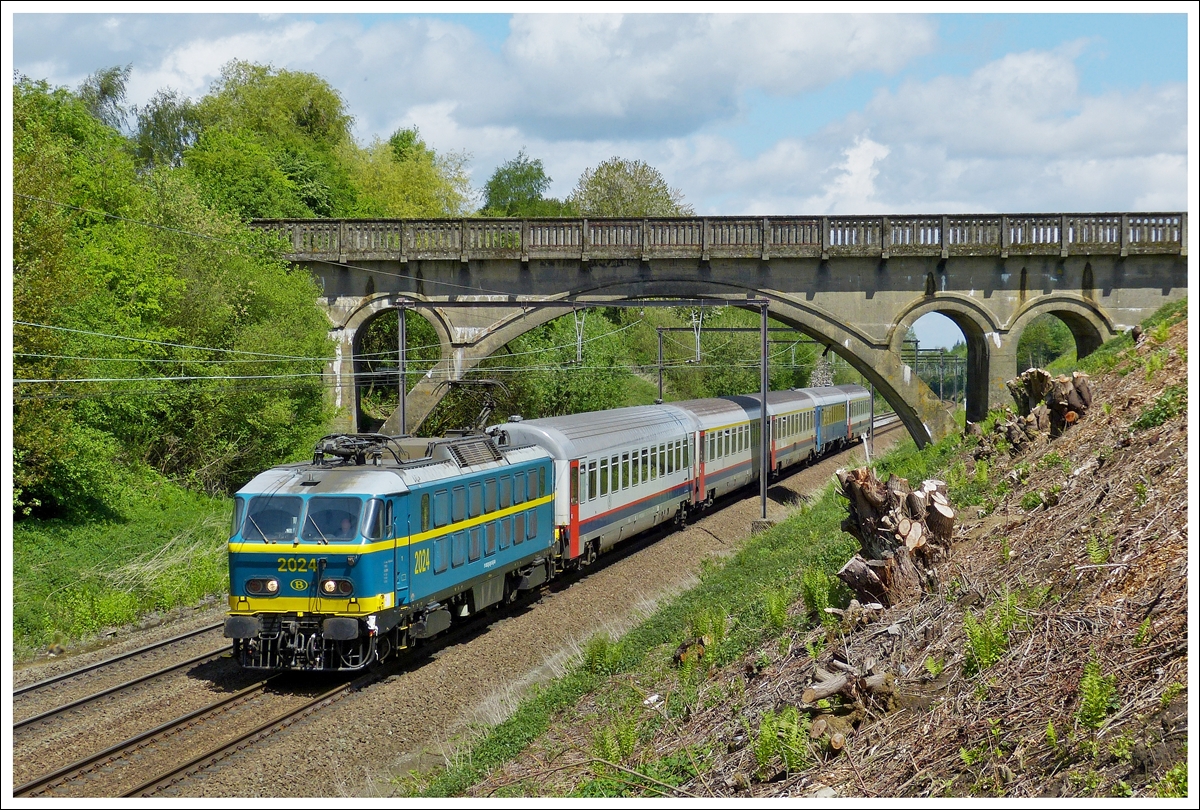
x,y
458,503
239,509
531,524
533,485
505,532
505,492
441,508
273,517
475,550
475,501
489,495
519,488
519,528
373,522
459,549
425,512
490,548
441,554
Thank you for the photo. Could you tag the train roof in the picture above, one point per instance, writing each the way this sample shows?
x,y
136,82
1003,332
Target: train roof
x,y
586,434
447,459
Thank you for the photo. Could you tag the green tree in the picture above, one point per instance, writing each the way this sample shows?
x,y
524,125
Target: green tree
x,y
103,93
1044,340
627,188
403,177
167,126
517,189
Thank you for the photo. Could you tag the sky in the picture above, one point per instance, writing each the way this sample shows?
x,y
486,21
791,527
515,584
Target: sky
x,y
769,113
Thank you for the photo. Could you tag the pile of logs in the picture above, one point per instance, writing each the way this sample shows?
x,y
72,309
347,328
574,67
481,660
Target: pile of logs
x,y
834,722
902,533
1056,402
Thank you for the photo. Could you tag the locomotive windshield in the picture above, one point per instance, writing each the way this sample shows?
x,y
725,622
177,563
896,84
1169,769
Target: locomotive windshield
x,y
272,517
332,519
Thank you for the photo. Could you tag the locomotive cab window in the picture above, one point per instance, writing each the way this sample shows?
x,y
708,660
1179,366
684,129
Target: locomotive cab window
x,y
273,518
332,519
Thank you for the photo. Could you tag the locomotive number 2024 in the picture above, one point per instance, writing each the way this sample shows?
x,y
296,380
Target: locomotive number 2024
x,y
420,561
296,564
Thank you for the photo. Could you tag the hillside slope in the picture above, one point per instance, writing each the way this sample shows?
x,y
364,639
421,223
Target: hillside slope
x,y
1053,661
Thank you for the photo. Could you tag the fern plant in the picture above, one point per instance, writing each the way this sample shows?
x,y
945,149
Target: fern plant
x,y
1097,696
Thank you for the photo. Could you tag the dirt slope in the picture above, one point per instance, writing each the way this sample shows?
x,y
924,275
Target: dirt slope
x,y
1072,682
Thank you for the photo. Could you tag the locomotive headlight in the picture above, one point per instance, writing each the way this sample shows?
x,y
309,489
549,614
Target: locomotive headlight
x,y
337,587
261,586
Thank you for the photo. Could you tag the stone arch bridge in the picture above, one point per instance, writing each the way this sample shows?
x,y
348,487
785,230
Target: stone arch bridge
x,y
854,283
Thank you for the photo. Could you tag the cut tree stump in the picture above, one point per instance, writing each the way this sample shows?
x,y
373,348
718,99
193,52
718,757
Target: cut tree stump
x,y
902,533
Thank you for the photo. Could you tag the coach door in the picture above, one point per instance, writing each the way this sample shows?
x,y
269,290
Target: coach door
x,y
573,527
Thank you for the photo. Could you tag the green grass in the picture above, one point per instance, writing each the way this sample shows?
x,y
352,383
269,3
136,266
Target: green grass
x,y
72,578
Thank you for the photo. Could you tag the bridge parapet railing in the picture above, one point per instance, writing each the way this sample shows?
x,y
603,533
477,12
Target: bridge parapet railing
x,y
914,236
348,241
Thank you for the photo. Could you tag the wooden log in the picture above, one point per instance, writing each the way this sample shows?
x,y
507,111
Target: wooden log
x,y
1083,386
817,729
849,669
916,504
882,683
940,520
822,690
837,741
914,537
904,527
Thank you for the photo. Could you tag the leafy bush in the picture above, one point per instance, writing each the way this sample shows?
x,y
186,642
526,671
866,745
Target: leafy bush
x,y
1097,696
1169,404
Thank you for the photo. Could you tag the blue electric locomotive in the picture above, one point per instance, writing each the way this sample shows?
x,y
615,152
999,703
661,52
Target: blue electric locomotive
x,y
378,542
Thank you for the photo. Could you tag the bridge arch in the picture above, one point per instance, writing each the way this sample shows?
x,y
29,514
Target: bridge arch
x,y
1089,324
980,332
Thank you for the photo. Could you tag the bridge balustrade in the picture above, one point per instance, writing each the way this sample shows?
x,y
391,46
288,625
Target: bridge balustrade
x,y
729,237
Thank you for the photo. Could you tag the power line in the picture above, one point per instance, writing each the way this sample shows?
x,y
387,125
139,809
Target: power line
x,y
164,343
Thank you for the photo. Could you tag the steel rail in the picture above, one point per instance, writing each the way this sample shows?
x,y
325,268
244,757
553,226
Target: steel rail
x,y
115,659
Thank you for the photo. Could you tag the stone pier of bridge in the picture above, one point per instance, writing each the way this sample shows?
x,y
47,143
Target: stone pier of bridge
x,y
853,283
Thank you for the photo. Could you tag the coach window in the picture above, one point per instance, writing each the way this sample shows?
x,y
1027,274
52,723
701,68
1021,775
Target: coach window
x,y
614,470
593,487
575,484
603,476
670,459
425,512
519,528
679,462
645,465
634,469
519,488
505,492
458,503
489,495
441,508
475,501
687,452
490,548
624,471
653,462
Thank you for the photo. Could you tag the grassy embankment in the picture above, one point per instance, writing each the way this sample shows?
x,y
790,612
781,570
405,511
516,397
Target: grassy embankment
x,y
755,588
74,578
